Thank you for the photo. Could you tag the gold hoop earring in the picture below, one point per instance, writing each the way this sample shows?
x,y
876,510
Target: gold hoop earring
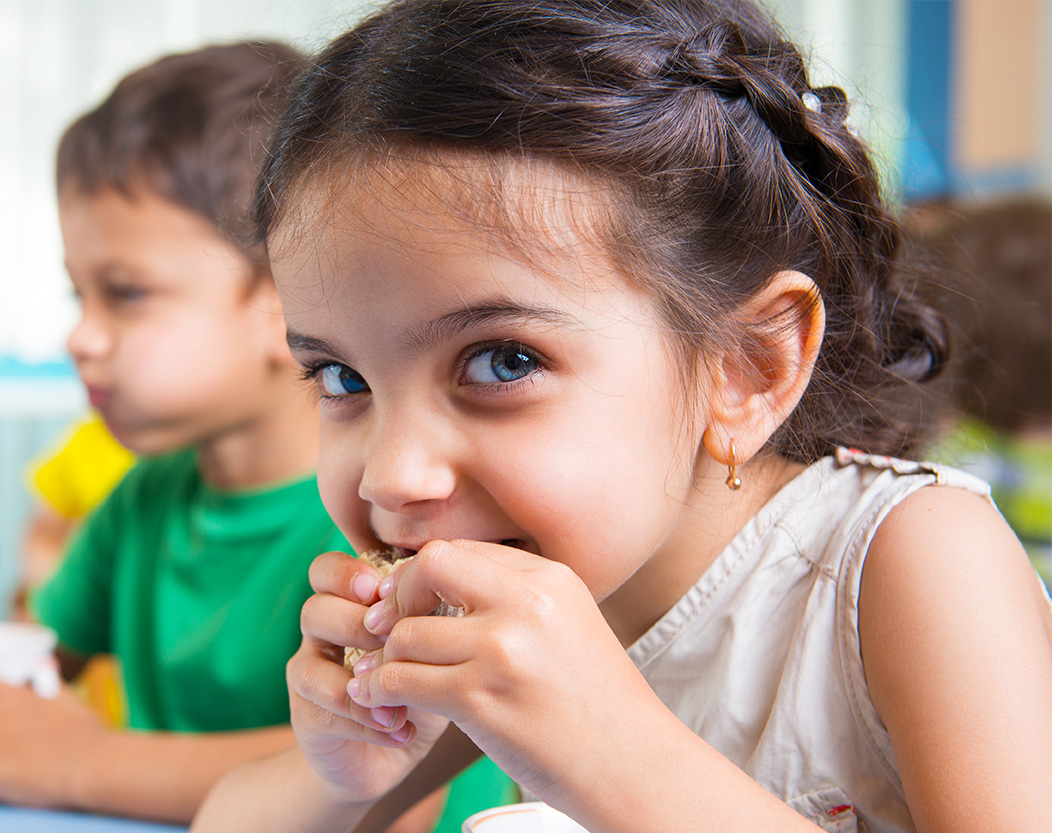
x,y
734,483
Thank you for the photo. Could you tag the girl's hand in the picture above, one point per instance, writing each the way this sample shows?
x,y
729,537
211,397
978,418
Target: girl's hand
x,y
362,752
532,673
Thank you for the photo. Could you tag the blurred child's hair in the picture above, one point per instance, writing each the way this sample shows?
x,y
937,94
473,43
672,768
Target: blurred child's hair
x,y
191,128
724,167
997,257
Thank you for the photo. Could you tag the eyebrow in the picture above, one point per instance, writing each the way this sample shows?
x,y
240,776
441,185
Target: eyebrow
x,y
308,343
449,325
453,323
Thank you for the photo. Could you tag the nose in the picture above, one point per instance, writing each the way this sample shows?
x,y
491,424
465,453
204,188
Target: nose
x,y
406,463
90,337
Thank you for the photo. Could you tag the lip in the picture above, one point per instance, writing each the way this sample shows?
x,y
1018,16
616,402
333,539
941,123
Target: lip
x,y
408,549
98,397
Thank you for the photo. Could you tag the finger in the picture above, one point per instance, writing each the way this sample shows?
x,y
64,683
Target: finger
x,y
309,719
509,556
428,688
321,688
343,575
471,575
330,620
433,640
312,677
436,574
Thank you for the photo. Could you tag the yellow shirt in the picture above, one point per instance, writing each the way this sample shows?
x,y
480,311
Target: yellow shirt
x,y
76,474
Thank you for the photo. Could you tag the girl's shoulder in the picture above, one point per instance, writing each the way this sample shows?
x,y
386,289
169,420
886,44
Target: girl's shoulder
x,y
834,508
955,627
946,545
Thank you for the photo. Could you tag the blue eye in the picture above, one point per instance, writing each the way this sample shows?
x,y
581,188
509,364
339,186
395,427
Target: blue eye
x,y
500,365
340,380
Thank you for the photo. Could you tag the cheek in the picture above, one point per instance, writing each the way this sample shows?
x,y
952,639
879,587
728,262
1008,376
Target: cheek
x,y
166,345
163,368
599,499
339,475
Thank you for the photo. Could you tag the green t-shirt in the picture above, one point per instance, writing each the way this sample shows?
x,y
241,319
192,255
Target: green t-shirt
x,y
197,592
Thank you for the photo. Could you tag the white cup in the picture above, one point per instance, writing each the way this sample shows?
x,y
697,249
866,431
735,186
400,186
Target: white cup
x,y
528,817
27,657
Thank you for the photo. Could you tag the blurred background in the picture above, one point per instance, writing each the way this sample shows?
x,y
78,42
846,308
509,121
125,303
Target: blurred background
x,y
954,96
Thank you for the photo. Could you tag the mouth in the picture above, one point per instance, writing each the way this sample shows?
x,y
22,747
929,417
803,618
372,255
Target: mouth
x,y
98,397
409,552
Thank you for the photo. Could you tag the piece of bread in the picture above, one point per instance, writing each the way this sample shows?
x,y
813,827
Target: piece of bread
x,y
386,562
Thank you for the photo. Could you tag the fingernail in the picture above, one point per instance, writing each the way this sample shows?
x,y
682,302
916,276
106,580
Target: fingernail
x,y
366,663
372,617
385,716
364,587
354,688
404,734
385,587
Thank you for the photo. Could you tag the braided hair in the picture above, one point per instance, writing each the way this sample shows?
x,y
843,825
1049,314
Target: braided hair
x,y
699,115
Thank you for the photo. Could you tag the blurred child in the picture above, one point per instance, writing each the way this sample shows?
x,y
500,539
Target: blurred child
x,y
613,331
193,571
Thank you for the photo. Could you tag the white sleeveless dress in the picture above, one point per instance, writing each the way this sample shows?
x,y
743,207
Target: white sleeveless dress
x,y
761,657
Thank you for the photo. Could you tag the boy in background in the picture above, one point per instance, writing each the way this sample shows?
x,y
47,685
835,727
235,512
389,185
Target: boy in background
x,y
193,571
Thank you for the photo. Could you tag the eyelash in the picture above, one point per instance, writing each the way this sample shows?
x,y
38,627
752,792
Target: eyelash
x,y
506,387
312,373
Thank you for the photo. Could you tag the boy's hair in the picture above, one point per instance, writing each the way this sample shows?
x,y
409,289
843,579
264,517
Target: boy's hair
x,y
725,164
191,128
997,257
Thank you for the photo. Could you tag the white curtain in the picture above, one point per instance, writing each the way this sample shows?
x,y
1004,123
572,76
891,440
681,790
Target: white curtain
x,y
59,58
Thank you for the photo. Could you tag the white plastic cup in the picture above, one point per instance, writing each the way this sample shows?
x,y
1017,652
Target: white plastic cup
x,y
528,817
27,657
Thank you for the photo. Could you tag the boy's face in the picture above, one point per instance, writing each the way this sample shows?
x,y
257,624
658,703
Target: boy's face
x,y
469,393
169,345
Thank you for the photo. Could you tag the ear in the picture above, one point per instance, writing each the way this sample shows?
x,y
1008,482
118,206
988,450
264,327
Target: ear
x,y
757,386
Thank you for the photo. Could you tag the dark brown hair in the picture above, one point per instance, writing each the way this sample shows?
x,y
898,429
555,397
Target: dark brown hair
x,y
190,127
700,115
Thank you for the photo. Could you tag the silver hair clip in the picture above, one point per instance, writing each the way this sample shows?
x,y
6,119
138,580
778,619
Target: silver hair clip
x,y
812,102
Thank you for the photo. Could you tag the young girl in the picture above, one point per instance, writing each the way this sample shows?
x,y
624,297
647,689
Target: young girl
x,y
596,296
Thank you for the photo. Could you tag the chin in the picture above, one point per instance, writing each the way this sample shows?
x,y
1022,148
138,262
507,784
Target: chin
x,y
145,443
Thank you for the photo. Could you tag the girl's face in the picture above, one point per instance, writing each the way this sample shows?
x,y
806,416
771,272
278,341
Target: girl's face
x,y
470,392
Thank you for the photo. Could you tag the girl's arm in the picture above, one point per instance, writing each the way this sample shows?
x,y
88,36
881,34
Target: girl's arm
x,y
277,794
957,647
283,792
